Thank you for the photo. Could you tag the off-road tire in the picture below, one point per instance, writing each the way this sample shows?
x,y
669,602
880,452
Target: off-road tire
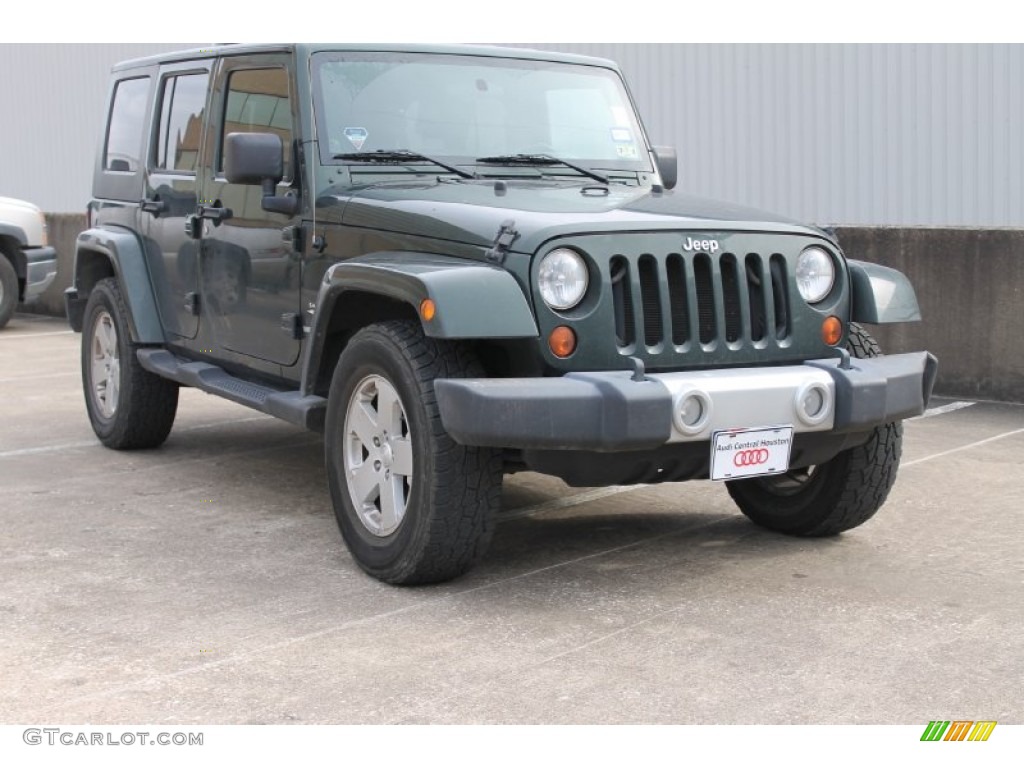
x,y
146,404
454,491
8,289
833,497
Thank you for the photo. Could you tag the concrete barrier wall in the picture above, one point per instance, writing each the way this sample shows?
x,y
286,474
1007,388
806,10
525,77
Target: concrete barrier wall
x,y
970,285
63,229
969,282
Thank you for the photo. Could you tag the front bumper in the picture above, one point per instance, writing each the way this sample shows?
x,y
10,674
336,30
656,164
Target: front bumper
x,y
610,411
40,270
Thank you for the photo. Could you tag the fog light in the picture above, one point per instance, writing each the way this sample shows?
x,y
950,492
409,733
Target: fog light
x,y
562,341
691,411
813,403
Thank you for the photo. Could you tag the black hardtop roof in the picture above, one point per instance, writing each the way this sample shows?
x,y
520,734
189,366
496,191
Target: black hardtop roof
x,y
305,49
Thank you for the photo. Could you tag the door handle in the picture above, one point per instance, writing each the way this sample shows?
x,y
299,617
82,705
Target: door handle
x,y
214,214
156,206
193,226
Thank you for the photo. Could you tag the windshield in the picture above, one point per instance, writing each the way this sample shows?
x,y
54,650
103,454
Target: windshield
x,y
466,107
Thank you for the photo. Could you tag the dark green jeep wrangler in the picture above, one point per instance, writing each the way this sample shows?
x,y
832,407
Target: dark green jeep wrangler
x,y
461,262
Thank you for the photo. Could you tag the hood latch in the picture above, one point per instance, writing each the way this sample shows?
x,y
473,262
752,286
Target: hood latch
x,y
506,236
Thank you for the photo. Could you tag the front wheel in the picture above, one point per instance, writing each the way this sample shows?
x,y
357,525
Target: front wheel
x,y
413,506
833,497
128,406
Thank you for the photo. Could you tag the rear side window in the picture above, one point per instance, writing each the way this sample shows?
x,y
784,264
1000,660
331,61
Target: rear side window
x,y
182,105
258,102
123,146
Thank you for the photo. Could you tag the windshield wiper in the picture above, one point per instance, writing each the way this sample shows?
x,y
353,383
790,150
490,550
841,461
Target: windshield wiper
x,y
541,160
401,155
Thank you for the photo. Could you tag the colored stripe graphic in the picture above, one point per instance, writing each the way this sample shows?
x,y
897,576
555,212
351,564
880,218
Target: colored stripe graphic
x,y
934,730
958,730
982,730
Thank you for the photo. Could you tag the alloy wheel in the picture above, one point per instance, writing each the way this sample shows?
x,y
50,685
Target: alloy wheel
x,y
378,455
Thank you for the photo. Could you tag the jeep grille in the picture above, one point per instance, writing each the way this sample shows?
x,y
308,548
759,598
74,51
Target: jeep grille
x,y
697,298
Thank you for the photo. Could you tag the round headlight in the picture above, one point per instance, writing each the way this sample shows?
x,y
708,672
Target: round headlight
x,y
562,279
815,274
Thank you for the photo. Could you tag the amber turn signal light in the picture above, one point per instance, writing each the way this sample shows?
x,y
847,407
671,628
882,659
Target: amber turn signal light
x,y
562,341
428,309
832,330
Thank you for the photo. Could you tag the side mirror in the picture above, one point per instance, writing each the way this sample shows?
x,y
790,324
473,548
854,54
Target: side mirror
x,y
253,158
668,165
258,158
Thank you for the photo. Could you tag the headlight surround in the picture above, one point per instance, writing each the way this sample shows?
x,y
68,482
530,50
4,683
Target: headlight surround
x,y
562,279
815,274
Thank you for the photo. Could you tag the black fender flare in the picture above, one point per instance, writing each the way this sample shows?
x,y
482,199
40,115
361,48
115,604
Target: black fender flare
x,y
473,300
9,230
125,253
881,295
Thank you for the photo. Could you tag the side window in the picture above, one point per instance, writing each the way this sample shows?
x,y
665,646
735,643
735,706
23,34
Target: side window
x,y
183,103
258,102
124,130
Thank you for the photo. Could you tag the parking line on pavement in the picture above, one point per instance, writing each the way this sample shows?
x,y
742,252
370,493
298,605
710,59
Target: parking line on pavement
x,y
91,443
35,335
47,449
939,410
967,447
39,376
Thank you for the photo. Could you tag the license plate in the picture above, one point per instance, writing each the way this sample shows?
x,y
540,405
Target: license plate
x,y
750,452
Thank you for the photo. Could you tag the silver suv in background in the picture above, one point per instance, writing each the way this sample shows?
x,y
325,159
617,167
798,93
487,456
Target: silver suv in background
x,y
28,264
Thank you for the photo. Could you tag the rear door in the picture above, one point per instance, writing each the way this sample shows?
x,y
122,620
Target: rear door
x,y
171,193
249,274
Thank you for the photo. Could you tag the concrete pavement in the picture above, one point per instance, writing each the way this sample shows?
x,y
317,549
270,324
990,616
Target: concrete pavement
x,y
206,582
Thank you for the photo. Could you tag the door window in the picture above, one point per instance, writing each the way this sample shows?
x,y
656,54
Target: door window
x,y
181,122
258,102
124,131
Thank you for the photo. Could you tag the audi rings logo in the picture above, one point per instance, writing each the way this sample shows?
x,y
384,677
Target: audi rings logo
x,y
750,458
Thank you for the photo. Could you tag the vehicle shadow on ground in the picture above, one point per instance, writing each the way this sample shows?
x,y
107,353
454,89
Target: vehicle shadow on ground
x,y
688,545
617,533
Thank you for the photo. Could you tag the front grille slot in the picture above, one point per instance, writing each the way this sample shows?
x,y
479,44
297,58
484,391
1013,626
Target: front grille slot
x,y
622,302
729,299
677,300
780,296
756,297
650,300
705,298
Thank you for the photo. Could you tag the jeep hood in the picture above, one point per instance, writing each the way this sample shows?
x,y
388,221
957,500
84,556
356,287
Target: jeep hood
x,y
471,212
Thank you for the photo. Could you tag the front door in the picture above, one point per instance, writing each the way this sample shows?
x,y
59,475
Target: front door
x,y
249,271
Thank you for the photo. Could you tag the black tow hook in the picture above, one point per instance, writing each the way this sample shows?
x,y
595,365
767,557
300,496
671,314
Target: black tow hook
x,y
639,373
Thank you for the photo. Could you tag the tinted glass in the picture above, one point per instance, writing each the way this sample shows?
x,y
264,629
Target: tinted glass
x,y
127,118
258,103
471,106
181,122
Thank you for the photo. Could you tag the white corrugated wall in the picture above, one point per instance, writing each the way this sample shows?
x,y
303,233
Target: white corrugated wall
x,y
53,99
849,134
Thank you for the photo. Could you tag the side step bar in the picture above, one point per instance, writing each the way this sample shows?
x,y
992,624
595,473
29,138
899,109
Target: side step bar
x,y
304,411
